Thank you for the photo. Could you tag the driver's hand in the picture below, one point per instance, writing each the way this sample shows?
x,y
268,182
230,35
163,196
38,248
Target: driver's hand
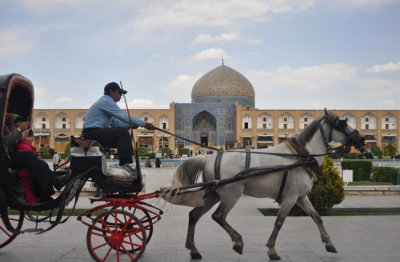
x,y
149,126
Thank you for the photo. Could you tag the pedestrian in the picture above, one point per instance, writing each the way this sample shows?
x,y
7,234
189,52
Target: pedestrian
x,y
106,123
158,163
56,160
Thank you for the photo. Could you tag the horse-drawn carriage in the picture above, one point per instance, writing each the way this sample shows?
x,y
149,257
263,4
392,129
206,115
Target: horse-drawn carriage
x,y
126,222
285,172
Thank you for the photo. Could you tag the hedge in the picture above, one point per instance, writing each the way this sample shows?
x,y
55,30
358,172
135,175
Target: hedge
x,y
361,169
384,174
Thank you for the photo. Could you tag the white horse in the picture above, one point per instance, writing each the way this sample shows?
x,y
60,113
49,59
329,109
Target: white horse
x,y
298,181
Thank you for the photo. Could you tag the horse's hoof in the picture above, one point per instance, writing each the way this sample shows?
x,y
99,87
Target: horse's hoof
x,y
274,256
195,256
238,248
331,248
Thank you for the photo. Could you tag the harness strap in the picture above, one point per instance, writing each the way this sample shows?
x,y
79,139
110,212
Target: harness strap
x,y
283,183
298,149
217,165
248,159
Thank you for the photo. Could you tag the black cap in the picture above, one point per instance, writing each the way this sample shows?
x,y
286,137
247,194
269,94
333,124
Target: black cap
x,y
115,87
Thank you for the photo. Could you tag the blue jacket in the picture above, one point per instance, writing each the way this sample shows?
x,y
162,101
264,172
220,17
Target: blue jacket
x,y
105,113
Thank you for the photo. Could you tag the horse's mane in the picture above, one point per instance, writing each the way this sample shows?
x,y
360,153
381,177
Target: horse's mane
x,y
307,133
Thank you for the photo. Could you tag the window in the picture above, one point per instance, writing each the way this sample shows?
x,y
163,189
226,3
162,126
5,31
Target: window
x,y
264,119
64,119
246,125
64,126
284,126
387,119
265,126
366,119
306,119
43,126
366,126
146,118
43,119
347,119
164,125
386,126
285,119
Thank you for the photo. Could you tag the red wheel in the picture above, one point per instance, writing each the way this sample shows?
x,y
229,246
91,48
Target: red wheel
x,y
16,221
116,231
146,220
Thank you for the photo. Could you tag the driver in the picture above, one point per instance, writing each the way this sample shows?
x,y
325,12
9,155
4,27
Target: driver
x,y
106,123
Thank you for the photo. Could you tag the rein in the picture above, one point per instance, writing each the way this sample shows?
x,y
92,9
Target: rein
x,y
306,156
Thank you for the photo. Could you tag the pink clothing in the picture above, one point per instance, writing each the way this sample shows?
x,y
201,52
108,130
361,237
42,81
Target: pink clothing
x,y
24,174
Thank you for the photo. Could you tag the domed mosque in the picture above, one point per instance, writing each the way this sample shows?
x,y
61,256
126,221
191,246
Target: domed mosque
x,y
223,85
210,118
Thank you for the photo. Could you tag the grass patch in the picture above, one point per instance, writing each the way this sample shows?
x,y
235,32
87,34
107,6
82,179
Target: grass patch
x,y
369,183
274,212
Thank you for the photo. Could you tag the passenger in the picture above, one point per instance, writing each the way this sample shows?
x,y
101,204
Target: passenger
x,y
26,178
44,179
106,123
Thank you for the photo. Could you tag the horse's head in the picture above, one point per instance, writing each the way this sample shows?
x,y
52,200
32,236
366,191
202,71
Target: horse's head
x,y
340,131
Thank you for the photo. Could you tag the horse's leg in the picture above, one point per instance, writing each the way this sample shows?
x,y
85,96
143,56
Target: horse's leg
x,y
211,199
306,205
286,206
227,203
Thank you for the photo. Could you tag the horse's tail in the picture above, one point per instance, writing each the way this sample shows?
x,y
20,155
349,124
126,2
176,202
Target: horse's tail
x,y
187,174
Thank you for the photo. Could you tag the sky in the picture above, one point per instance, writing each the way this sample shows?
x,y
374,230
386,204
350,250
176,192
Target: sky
x,y
298,54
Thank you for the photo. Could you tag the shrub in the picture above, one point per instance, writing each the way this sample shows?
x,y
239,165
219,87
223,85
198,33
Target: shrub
x,y
327,191
384,174
44,151
377,151
389,150
143,151
183,151
361,169
165,150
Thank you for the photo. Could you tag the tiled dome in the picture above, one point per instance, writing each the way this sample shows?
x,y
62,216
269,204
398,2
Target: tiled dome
x,y
223,83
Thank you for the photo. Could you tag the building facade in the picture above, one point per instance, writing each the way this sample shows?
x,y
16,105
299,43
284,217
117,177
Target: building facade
x,y
222,114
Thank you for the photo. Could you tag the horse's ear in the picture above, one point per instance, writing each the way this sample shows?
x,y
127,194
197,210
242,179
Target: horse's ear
x,y
326,111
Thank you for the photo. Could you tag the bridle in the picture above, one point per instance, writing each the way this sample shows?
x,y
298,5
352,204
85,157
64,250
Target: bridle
x,y
339,125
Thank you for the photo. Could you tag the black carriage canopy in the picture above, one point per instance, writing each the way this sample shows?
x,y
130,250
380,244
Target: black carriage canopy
x,y
16,96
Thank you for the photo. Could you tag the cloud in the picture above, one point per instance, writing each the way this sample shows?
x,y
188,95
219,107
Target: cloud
x,y
63,101
331,85
188,13
13,43
179,89
384,68
224,37
211,53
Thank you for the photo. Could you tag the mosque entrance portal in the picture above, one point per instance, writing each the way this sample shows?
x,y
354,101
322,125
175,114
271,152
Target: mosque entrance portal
x,y
204,140
205,127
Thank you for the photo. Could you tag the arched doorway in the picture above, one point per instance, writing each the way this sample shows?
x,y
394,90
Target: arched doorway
x,y
146,141
205,127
